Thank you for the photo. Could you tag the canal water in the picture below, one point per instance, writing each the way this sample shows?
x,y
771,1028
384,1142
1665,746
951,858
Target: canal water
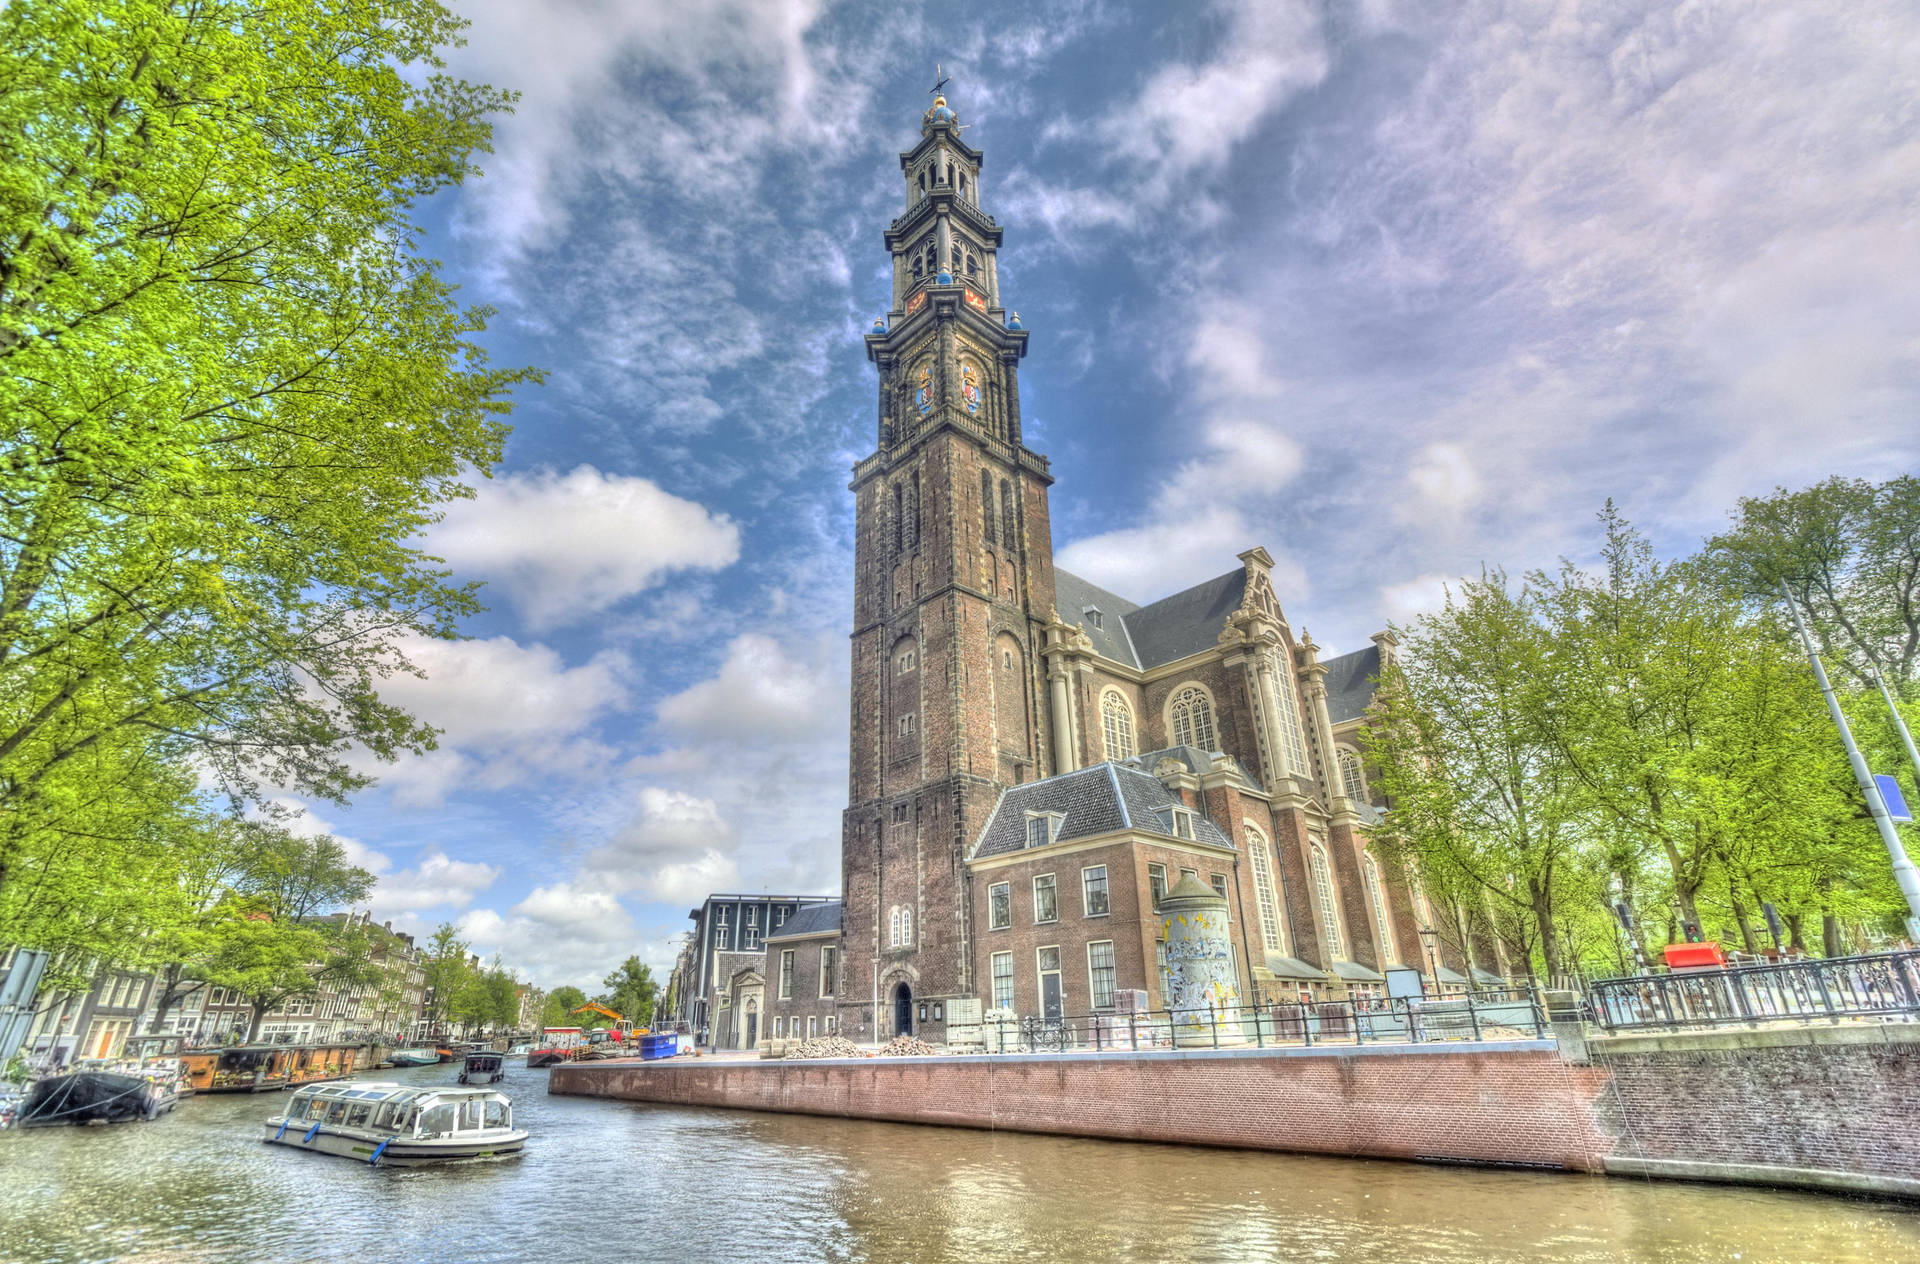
x,y
607,1180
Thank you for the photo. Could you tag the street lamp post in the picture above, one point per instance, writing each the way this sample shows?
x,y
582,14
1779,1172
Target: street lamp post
x,y
1428,936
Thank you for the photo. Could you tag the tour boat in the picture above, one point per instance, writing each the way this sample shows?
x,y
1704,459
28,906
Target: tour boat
x,y
398,1123
483,1066
413,1057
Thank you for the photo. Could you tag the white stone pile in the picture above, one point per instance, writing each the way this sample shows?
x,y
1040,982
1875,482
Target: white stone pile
x,y
905,1046
825,1047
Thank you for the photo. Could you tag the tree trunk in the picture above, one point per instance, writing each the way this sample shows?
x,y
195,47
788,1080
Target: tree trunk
x,y
1543,918
1830,934
253,1027
1740,917
1796,941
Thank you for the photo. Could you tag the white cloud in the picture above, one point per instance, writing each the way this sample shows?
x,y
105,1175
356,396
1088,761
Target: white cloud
x,y
565,547
558,934
676,848
436,881
760,692
508,712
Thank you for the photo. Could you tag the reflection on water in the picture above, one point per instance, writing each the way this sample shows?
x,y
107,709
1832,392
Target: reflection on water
x,y
685,1185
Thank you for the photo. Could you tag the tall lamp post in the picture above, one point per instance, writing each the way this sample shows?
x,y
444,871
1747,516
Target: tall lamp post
x,y
1429,936
1903,871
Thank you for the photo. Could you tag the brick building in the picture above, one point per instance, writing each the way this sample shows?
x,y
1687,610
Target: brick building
x,y
802,972
981,669
709,990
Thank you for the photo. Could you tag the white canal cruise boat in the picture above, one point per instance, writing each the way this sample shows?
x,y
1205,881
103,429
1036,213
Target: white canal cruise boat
x,y
398,1123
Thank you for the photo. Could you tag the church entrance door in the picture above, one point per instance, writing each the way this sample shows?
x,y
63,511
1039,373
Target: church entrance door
x,y
753,1027
903,1010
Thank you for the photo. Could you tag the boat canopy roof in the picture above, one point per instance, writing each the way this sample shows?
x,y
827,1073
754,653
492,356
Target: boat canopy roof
x,y
389,1092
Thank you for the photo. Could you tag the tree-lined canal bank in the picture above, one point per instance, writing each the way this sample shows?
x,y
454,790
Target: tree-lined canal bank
x,y
697,1184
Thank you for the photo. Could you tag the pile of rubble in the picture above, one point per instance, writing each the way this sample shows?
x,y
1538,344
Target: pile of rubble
x,y
824,1047
905,1046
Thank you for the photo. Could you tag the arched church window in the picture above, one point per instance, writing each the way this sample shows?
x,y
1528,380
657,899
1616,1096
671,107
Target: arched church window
x,y
1192,714
1353,779
963,182
973,264
1328,907
906,657
1116,725
986,507
1006,513
1290,718
1377,893
916,267
1264,901
893,927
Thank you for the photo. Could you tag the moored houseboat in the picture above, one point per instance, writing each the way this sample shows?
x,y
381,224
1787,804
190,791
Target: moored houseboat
x,y
413,1057
243,1069
398,1123
315,1064
94,1096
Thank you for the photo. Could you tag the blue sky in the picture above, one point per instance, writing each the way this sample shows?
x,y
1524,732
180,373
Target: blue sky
x,y
1391,289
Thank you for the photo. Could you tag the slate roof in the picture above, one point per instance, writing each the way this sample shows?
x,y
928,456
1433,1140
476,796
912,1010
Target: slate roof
x,y
810,919
1096,800
1350,680
1071,597
1292,968
1186,622
1358,973
1147,636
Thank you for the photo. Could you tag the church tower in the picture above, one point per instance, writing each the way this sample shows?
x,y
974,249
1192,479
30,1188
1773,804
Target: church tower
x,y
953,584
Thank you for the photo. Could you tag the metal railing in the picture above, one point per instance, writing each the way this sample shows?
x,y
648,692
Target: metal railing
x,y
1502,1015
1886,985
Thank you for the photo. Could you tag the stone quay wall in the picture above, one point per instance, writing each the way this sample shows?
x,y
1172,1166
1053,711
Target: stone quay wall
x,y
1511,1102
1817,1107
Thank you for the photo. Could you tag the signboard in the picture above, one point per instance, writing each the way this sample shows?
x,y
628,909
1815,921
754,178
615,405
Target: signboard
x,y
976,300
1896,802
917,302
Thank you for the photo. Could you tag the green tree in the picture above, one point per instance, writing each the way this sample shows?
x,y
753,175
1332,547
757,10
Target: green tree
x,y
234,394
1485,807
448,971
631,992
561,1002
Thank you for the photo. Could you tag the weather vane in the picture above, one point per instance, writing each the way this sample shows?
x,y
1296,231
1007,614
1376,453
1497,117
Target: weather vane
x,y
940,81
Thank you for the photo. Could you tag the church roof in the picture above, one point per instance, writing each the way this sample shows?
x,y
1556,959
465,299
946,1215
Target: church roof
x,y
1144,637
1072,596
1187,622
810,919
1096,800
1350,680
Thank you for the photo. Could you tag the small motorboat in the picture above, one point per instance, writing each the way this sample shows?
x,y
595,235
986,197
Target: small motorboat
x,y
403,1124
483,1066
93,1097
547,1057
414,1057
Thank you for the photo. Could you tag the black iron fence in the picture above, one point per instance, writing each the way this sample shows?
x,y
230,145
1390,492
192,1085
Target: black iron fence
x,y
1502,1015
1886,985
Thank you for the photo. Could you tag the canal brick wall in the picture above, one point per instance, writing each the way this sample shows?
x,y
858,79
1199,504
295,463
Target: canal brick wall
x,y
1820,1106
1493,1102
1828,1107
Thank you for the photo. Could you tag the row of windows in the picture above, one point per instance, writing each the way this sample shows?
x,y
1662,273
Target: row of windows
x,y
750,934
1100,975
1094,900
816,1026
1191,723
827,958
926,262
